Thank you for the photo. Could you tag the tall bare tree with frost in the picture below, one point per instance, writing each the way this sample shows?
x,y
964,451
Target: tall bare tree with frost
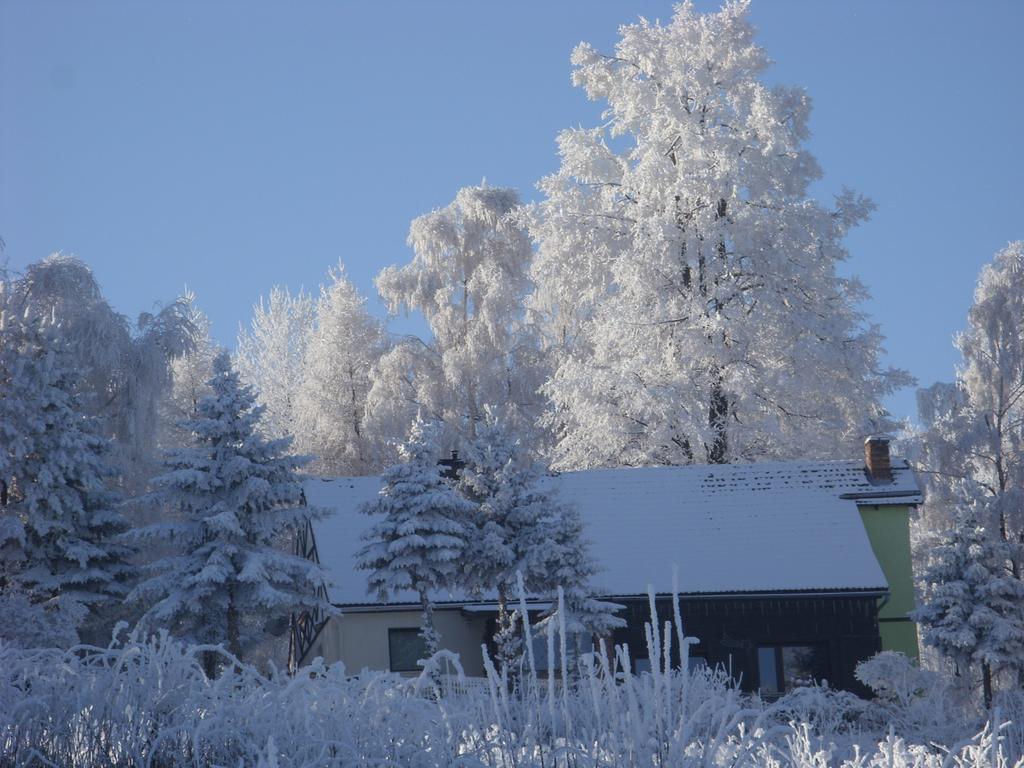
x,y
973,429
468,277
271,356
345,344
685,281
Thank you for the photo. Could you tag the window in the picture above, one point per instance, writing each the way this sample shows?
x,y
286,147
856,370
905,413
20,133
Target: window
x,y
405,648
782,668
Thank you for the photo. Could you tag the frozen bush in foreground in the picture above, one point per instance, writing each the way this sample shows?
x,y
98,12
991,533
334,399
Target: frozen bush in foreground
x,y
148,703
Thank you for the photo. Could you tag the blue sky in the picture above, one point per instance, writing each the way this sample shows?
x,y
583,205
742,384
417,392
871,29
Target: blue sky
x,y
234,146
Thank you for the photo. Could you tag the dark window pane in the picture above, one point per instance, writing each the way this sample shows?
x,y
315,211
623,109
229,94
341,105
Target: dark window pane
x,y
803,665
767,670
406,647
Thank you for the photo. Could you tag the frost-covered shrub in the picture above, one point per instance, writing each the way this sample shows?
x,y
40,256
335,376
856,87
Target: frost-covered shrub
x,y
148,702
915,701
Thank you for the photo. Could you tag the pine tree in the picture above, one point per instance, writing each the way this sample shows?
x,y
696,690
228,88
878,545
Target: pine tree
x,y
419,542
236,496
61,521
686,284
521,527
974,612
340,353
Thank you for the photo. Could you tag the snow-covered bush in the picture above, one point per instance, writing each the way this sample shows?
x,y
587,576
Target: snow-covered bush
x,y
914,700
144,702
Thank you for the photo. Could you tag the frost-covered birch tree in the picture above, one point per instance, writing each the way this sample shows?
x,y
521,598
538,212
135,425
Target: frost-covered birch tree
x,y
124,370
521,527
973,611
271,356
418,543
973,429
468,277
236,495
345,344
59,517
685,280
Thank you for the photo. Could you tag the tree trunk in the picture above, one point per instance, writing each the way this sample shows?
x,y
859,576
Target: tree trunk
x,y
507,641
986,677
234,632
431,640
718,414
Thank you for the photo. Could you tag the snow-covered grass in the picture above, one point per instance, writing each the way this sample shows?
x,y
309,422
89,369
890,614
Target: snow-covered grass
x,y
148,703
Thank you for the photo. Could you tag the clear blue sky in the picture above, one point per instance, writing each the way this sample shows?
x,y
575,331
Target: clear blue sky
x,y
234,146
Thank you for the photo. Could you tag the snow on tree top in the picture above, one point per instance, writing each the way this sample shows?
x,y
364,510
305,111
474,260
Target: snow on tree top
x,y
765,527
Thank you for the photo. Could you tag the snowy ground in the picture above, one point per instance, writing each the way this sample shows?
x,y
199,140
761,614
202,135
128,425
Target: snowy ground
x,y
149,703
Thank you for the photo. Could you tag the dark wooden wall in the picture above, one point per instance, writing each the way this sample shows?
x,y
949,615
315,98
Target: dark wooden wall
x,y
731,629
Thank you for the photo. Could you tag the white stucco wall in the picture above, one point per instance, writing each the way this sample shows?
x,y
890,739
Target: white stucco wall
x,y
360,640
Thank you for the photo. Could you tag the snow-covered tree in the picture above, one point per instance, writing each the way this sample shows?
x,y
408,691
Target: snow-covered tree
x,y
974,608
685,281
236,496
468,278
123,371
520,527
190,376
973,429
418,543
272,356
343,347
59,519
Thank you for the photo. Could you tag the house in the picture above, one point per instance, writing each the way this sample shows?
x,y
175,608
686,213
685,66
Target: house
x,y
786,571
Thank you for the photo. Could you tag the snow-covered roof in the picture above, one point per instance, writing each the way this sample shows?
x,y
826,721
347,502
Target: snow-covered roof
x,y
767,527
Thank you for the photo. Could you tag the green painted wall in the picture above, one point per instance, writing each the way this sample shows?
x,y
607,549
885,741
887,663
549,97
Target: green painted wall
x,y
888,528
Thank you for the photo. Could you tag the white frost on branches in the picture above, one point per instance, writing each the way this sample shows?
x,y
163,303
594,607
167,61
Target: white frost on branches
x,y
271,356
237,496
124,372
974,607
342,349
59,519
973,429
468,277
685,281
418,543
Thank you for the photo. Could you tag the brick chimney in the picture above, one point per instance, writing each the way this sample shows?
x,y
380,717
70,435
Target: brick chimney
x,y
876,459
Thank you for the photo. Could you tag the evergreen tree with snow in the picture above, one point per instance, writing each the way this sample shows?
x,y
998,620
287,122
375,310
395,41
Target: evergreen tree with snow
x,y
342,349
974,611
421,538
686,283
60,519
237,499
521,527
